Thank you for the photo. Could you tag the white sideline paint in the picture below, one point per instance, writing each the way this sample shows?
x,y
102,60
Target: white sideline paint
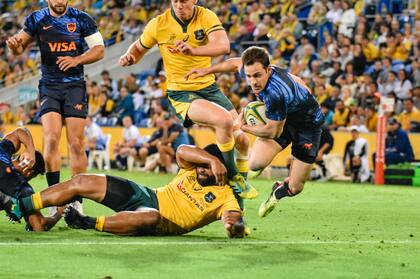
x,y
210,243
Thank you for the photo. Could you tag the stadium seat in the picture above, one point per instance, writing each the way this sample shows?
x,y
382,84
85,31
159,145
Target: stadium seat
x,y
101,156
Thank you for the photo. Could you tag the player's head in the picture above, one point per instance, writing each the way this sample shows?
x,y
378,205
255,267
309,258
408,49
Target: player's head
x,y
183,9
59,7
37,168
205,175
257,67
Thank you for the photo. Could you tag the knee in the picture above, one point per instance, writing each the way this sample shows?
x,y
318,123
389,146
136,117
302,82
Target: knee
x,y
224,121
76,183
76,145
256,166
242,141
51,142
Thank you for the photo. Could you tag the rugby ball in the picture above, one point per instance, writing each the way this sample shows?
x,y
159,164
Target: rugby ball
x,y
254,114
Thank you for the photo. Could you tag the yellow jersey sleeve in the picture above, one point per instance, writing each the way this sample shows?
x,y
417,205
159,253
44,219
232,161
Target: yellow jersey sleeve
x,y
148,38
229,205
211,22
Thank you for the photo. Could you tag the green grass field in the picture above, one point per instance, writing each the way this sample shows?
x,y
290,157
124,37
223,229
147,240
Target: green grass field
x,y
331,230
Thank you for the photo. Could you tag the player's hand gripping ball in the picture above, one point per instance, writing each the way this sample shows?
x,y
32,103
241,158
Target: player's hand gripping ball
x,y
254,114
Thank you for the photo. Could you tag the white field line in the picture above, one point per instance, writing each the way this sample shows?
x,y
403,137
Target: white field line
x,y
210,243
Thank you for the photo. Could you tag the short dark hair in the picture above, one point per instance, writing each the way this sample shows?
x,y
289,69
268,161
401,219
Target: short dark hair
x,y
214,150
39,166
256,55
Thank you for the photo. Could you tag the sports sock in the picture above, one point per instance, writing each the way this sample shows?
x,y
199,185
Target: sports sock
x,y
53,177
32,202
242,167
228,153
100,222
283,191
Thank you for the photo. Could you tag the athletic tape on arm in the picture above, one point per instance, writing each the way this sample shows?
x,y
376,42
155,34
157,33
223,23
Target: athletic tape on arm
x,y
94,40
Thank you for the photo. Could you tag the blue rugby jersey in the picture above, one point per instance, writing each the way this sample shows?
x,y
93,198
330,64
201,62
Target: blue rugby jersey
x,y
286,96
59,36
11,181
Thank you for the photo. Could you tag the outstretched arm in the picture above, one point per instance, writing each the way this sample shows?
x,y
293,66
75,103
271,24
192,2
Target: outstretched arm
x,y
133,55
230,65
188,156
234,225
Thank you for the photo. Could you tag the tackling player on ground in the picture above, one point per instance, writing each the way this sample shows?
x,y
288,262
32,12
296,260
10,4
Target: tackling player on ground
x,y
188,37
60,31
197,196
17,171
293,116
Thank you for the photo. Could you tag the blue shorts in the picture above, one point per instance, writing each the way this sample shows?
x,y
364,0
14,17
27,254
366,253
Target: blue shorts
x,y
305,141
68,99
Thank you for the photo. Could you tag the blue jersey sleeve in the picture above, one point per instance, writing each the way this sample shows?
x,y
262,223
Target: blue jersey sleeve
x,y
30,25
88,25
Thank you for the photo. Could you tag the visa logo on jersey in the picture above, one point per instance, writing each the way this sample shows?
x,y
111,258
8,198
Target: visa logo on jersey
x,y
62,46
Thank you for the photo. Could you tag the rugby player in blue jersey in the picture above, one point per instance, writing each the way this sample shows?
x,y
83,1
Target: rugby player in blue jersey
x,y
60,32
293,116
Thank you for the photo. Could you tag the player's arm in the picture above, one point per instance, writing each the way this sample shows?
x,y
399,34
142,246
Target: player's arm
x,y
217,45
233,223
95,53
272,129
133,55
188,156
18,43
230,65
23,136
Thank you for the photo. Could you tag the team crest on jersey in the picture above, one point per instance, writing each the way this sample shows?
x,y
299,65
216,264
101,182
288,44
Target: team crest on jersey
x,y
199,35
209,197
71,27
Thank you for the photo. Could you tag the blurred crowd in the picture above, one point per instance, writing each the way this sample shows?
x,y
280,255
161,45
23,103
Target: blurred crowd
x,y
350,53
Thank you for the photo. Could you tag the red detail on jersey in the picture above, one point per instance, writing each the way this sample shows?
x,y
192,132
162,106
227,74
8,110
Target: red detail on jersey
x,y
307,146
46,27
172,50
62,46
179,186
71,27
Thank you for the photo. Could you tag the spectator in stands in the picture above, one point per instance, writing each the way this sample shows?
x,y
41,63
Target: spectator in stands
x,y
410,117
95,139
404,85
391,84
110,84
371,118
94,98
125,106
328,115
334,14
356,157
341,116
331,101
130,138
397,144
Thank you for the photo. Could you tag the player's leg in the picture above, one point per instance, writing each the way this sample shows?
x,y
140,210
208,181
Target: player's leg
x,y
241,145
75,137
75,112
89,186
263,152
52,125
304,150
140,222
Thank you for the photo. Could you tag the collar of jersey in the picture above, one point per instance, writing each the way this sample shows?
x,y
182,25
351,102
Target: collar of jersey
x,y
183,25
